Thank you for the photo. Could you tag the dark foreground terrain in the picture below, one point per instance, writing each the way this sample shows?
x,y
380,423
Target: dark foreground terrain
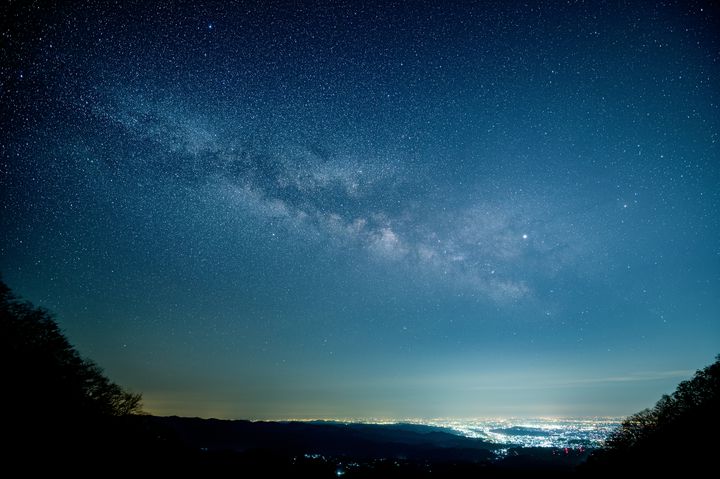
x,y
356,450
215,448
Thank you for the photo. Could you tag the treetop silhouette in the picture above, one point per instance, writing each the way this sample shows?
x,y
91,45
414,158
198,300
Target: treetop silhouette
x,y
671,435
44,375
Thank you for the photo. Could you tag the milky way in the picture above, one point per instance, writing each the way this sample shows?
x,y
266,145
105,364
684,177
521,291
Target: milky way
x,y
434,209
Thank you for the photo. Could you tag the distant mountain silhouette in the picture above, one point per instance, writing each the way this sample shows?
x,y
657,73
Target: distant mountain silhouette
x,y
333,439
523,431
678,434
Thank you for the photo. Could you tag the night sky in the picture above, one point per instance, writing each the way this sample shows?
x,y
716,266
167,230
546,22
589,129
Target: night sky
x,y
407,209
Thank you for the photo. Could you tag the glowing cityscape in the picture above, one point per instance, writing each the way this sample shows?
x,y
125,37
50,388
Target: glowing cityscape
x,y
573,433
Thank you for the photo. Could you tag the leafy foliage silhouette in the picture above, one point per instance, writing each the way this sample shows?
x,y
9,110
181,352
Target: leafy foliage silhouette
x,y
46,378
671,435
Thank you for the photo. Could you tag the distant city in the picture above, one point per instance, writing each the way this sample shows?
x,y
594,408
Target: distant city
x,y
537,432
518,432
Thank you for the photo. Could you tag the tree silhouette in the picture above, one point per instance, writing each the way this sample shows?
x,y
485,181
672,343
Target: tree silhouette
x,y
46,381
673,434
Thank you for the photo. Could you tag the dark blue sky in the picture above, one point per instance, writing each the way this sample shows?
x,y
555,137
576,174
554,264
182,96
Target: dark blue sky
x,y
405,209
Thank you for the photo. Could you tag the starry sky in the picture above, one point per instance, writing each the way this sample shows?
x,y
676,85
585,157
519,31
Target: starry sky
x,y
370,210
